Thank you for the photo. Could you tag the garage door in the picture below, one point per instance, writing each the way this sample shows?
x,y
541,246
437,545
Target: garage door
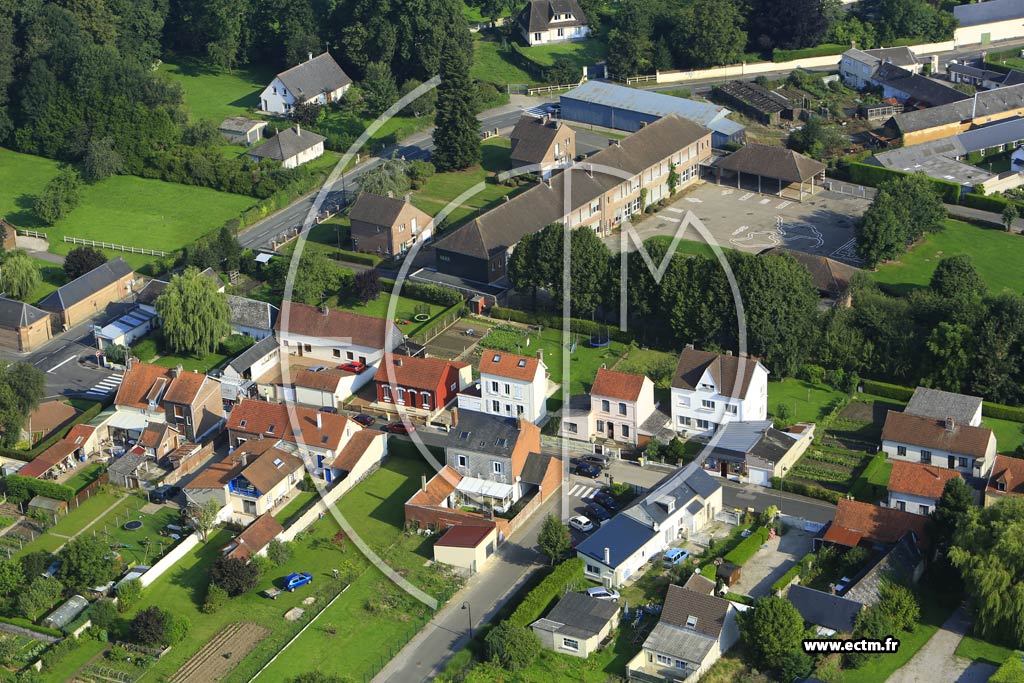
x,y
759,477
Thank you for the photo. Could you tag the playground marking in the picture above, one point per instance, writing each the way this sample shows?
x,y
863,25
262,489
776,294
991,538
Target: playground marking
x,y
764,201
745,197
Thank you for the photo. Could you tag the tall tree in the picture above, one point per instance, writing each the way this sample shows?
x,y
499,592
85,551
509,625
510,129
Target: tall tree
x,y
27,384
102,160
902,211
772,630
85,563
379,88
81,260
710,33
193,314
956,277
951,511
18,274
388,179
554,538
457,131
60,196
787,24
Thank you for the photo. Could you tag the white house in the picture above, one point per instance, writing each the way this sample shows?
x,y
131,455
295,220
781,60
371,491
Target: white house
x,y
679,505
251,317
336,337
552,21
857,67
318,80
620,403
510,386
291,146
710,389
939,442
917,488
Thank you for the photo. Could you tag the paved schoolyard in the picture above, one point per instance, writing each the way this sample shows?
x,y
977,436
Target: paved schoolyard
x,y
746,220
772,561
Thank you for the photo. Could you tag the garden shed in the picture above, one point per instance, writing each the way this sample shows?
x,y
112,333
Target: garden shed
x,y
52,507
66,613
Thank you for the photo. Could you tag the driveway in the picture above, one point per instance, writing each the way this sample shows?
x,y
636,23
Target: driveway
x,y
936,661
772,561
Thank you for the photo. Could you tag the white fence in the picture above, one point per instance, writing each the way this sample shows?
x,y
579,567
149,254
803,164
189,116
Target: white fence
x,y
168,560
32,233
115,247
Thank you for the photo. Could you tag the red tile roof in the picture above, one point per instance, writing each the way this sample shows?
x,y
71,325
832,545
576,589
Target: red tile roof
x,y
465,536
336,326
416,373
928,432
926,481
260,416
215,475
1008,470
510,365
254,537
873,523
322,380
440,486
620,385
185,387
43,462
138,384
353,451
79,434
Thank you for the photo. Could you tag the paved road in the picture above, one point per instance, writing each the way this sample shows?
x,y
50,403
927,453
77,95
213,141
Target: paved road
x,y
936,661
484,593
417,146
68,363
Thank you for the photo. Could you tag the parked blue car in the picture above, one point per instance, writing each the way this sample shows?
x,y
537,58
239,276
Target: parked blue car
x,y
595,511
675,556
297,580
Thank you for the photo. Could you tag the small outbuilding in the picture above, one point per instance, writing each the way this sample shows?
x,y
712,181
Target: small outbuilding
x,y
772,170
66,613
242,130
54,509
577,625
466,547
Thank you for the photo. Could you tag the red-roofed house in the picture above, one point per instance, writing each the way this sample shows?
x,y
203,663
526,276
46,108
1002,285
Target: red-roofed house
x,y
939,442
53,461
254,539
510,386
620,403
149,393
424,386
1007,479
916,488
859,523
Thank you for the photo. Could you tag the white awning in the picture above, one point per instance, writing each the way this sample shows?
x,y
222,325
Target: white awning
x,y
131,421
483,487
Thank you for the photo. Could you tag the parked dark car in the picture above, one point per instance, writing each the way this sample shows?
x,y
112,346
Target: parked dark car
x,y
606,501
602,461
584,469
328,409
162,494
400,428
364,419
595,511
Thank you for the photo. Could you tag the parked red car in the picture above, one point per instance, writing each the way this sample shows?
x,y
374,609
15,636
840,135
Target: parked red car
x,y
400,428
353,366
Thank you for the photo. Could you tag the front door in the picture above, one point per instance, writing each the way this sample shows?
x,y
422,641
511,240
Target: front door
x,y
951,463
611,430
724,467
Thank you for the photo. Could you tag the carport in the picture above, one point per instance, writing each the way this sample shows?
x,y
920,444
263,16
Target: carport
x,y
793,173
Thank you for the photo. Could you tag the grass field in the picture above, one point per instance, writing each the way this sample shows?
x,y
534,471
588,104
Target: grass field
x,y
873,482
86,476
215,94
405,311
91,509
121,209
686,246
491,64
51,276
982,651
1009,435
990,250
807,402
580,53
292,509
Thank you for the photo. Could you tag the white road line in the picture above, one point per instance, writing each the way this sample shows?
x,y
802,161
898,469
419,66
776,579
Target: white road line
x,y
745,197
783,205
695,200
673,209
66,360
586,492
726,193
574,489
764,201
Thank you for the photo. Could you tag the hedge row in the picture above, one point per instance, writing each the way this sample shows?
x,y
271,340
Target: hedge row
x,y
25,623
793,572
20,489
824,50
60,434
1001,412
432,294
886,390
747,547
988,202
587,327
540,599
868,174
808,490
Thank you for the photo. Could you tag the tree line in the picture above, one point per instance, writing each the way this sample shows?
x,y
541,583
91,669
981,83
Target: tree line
x,y
648,35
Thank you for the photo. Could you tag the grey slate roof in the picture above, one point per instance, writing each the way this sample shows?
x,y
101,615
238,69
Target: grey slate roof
x,y
740,437
974,72
240,124
287,144
483,433
86,285
532,138
680,643
622,535
987,12
252,313
921,88
535,468
899,565
680,487
936,159
376,210
313,77
647,102
681,604
148,294
942,404
578,615
771,161
537,14
901,56
824,609
985,103
126,465
15,314
245,360
992,135
543,204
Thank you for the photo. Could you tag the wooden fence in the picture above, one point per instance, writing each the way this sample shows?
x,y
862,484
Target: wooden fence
x,y
115,247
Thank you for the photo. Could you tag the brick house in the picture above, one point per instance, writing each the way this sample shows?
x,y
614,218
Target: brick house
x,y
387,226
542,141
421,385
190,401
939,442
1006,479
22,327
857,524
89,294
917,488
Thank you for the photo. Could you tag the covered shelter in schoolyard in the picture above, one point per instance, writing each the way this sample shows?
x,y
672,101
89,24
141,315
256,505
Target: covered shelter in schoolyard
x,y
767,169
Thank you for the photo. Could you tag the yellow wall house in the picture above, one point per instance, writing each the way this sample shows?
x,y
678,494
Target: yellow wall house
x,y
577,625
466,547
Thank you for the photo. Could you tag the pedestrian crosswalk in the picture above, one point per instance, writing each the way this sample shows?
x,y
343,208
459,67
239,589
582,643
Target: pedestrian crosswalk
x,y
539,111
105,387
583,491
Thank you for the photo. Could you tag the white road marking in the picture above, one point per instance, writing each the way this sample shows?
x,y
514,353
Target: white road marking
x,y
764,201
695,200
575,489
673,209
783,205
745,197
740,229
66,360
726,193
586,493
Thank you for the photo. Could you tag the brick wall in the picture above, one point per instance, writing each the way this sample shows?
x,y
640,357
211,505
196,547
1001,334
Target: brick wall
x,y
190,464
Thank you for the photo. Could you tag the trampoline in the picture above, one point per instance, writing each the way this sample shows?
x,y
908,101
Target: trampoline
x,y
133,525
421,317
599,340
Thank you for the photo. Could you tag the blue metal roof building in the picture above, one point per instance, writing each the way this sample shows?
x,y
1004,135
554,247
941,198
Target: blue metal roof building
x,y
616,106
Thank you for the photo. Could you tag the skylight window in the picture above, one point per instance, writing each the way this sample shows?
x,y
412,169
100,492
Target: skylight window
x,y
463,435
324,439
278,463
497,357
502,443
691,621
270,429
522,362
242,423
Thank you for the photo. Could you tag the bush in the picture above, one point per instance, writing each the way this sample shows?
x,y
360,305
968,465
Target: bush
x,y
433,294
103,614
584,327
216,597
150,626
512,647
867,174
742,553
177,629
279,552
1001,412
128,594
22,489
886,390
809,490
234,575
815,374
537,602
993,203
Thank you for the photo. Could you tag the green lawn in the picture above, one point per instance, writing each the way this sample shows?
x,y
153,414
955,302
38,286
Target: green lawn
x,y
580,53
121,209
807,402
873,482
1009,435
86,476
292,509
345,122
65,669
491,64
990,250
879,668
51,275
686,246
204,364
405,311
79,518
215,94
979,650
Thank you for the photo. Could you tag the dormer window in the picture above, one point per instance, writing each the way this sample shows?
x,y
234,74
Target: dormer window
x,y
242,424
691,622
270,429
1001,485
501,443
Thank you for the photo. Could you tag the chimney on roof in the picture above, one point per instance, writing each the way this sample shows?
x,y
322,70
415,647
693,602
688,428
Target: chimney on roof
x,y
950,425
540,355
131,360
608,557
323,309
423,482
853,44
243,458
309,56
612,142
398,362
728,352
689,347
319,420
298,130
455,417
590,171
177,370
408,196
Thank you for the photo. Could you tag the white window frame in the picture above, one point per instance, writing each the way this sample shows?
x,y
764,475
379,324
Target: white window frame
x,y
570,644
